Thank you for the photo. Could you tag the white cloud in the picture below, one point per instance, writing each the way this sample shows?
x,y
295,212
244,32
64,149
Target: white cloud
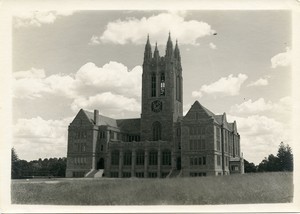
x,y
229,86
212,45
32,73
260,136
113,105
37,18
282,107
133,30
259,82
282,59
252,107
45,138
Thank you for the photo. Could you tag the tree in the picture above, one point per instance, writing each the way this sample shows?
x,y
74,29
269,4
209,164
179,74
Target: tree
x,y
282,162
15,170
249,167
285,157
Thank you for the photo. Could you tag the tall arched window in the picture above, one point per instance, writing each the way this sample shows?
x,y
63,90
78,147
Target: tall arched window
x,y
162,84
140,157
127,158
115,157
153,157
153,85
156,130
178,88
166,157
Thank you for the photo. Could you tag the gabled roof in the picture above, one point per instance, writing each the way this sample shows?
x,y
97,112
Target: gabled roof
x,y
103,120
125,125
219,119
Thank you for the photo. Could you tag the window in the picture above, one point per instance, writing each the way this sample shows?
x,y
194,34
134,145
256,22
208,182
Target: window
x,y
126,174
204,161
191,161
200,161
152,174
178,89
153,157
203,146
139,174
140,157
153,85
101,148
195,144
162,85
115,157
156,129
114,174
166,157
195,161
127,158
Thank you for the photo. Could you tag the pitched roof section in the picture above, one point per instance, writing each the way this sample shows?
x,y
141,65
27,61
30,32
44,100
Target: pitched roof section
x,y
103,120
131,126
219,119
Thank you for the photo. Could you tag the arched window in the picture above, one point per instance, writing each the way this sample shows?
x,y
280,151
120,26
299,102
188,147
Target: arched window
x,y
162,84
115,157
153,157
166,157
140,157
127,158
153,85
178,88
156,130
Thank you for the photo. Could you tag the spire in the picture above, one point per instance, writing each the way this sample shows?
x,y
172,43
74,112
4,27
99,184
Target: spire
x,y
177,52
148,52
156,53
169,49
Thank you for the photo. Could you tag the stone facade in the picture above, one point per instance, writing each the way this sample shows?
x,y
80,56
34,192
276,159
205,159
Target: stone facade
x,y
162,143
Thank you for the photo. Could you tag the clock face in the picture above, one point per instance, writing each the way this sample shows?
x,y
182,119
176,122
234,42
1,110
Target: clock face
x,y
156,106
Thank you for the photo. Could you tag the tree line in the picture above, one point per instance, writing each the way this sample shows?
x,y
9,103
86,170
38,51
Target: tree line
x,y
52,167
283,161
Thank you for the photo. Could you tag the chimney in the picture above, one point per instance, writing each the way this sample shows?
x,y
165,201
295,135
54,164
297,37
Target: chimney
x,y
96,116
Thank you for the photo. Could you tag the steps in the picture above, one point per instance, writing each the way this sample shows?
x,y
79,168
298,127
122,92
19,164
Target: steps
x,y
99,173
174,173
91,173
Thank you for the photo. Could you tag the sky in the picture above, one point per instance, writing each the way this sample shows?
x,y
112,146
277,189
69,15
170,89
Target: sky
x,y
236,62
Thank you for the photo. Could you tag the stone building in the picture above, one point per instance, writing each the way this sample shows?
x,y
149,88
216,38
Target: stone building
x,y
163,142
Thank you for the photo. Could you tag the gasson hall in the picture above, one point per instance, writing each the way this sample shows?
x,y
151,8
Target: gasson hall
x,y
162,143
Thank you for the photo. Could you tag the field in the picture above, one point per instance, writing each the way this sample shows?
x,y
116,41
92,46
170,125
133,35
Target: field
x,y
235,189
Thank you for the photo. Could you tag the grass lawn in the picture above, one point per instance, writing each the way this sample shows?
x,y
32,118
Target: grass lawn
x,y
234,189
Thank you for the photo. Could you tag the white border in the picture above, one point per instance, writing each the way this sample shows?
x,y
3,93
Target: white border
x,y
9,6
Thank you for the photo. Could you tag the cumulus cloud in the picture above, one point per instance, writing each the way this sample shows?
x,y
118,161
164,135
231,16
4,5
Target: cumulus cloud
x,y
37,18
45,138
132,30
113,104
228,86
283,106
260,136
33,83
212,46
259,82
282,59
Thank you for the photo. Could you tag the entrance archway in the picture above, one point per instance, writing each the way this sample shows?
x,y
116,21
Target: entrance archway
x,y
178,163
100,164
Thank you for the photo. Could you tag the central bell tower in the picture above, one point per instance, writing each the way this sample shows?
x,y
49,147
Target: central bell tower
x,y
161,93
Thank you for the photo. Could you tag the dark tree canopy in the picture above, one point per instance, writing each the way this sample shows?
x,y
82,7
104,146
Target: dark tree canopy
x,y
52,167
282,162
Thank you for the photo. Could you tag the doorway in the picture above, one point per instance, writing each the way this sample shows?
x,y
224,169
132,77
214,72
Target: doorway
x,y
100,164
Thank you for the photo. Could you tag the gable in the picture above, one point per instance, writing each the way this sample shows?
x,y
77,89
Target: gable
x,y
197,111
81,119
